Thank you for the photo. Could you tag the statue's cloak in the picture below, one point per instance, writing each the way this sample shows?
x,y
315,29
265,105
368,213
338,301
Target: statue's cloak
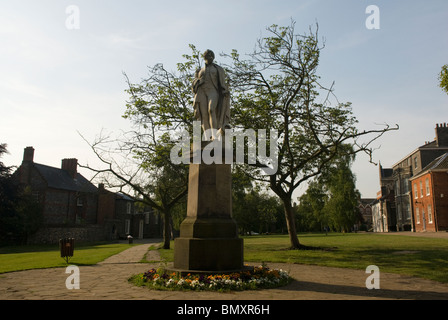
x,y
223,109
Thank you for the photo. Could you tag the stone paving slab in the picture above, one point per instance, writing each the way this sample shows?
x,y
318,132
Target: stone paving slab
x,y
108,280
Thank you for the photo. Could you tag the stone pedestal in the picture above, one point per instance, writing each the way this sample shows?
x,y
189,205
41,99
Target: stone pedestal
x,y
208,236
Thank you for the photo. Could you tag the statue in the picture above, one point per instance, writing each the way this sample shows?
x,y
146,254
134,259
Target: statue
x,y
211,98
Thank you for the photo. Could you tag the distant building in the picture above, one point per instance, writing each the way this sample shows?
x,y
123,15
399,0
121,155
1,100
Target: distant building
x,y
383,209
397,211
430,196
73,207
365,209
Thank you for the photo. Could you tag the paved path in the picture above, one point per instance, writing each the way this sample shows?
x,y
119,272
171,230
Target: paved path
x,y
108,281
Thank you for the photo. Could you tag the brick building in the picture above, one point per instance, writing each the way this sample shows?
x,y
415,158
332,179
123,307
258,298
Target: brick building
x,y
398,211
430,196
73,207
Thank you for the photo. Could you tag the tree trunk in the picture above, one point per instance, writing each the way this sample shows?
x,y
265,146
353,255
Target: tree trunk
x,y
291,224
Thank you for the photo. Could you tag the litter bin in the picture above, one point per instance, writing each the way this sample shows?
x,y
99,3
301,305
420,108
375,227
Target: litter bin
x,y
130,239
67,247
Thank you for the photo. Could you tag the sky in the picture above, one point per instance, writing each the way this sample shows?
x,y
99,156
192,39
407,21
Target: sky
x,y
62,65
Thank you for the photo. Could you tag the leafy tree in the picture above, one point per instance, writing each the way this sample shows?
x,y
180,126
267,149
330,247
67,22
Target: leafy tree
x,y
277,87
20,214
310,210
160,108
343,197
331,199
443,78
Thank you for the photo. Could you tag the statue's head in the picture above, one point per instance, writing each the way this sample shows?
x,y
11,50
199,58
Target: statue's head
x,y
208,56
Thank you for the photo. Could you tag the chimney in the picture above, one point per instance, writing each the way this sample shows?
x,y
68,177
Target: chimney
x,y
26,167
28,154
442,135
70,165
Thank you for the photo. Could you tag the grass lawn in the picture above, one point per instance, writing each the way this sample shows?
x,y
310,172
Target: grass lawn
x,y
18,258
415,256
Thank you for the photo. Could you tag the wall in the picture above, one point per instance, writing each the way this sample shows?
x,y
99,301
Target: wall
x,y
51,235
422,203
440,181
61,206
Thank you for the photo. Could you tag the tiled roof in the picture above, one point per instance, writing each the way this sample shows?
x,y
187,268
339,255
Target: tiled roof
x,y
438,163
61,179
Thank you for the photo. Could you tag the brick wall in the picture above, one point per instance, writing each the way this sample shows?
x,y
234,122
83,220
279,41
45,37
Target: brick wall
x,y
434,201
440,180
423,204
51,235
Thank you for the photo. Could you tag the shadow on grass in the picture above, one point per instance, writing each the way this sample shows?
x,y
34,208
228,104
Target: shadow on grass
x,y
362,292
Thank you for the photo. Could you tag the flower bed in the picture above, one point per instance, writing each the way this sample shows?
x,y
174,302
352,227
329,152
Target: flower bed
x,y
250,279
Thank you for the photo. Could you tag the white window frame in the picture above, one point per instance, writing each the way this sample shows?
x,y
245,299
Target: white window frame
x,y
421,189
429,214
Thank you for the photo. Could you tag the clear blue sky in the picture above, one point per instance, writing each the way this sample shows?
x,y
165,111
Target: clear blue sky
x,y
55,81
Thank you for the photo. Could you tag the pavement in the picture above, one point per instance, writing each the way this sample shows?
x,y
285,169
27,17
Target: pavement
x,y
108,280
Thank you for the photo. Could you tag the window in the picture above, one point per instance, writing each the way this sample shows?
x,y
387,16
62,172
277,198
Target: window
x,y
415,191
408,211
127,226
128,208
415,163
429,214
421,189
79,202
427,186
406,186
417,215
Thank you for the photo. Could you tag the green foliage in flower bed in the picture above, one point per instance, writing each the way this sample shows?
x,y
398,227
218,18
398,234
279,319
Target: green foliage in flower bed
x,y
250,279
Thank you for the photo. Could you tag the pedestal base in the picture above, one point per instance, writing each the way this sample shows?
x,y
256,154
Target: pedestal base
x,y
210,254
208,239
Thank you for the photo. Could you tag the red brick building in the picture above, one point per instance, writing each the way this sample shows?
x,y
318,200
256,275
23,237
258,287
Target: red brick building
x,y
73,207
430,196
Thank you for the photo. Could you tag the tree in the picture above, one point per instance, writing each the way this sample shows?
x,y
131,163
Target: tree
x,y
277,87
443,78
160,109
331,199
255,211
20,214
343,197
310,210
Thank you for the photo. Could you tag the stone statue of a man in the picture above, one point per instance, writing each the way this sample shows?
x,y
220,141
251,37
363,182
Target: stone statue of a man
x,y
211,97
